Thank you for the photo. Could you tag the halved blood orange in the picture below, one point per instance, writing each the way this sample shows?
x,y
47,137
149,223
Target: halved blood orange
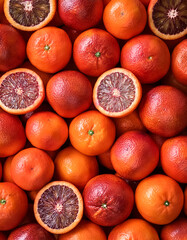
x,y
167,19
21,91
29,15
117,92
58,207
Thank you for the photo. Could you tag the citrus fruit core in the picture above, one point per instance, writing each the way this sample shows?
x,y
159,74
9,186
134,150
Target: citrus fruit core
x,y
26,13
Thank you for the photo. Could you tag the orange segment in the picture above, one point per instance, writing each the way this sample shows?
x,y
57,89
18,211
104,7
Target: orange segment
x,y
117,92
21,91
29,15
58,207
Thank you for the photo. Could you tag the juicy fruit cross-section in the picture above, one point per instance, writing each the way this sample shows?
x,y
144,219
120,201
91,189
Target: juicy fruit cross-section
x,y
93,119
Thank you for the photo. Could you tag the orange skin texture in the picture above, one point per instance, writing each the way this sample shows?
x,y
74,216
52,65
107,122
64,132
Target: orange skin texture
x,y
179,62
56,56
105,160
185,200
134,155
134,229
174,158
90,43
67,167
159,119
1,170
159,199
145,2
15,207
103,135
12,48
177,230
2,236
32,168
7,170
46,130
147,56
127,123
124,19
66,96
108,200
32,231
12,138
85,230
80,14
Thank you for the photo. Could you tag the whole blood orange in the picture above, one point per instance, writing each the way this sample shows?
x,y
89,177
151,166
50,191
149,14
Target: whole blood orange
x,y
69,93
174,158
85,230
163,110
134,229
80,14
92,133
58,207
147,56
32,168
95,51
117,92
167,19
159,199
45,52
12,48
7,177
179,62
46,130
108,200
134,155
67,167
124,19
12,137
13,205
21,91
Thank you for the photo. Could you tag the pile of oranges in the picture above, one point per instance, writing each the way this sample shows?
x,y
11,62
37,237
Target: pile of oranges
x,y
93,117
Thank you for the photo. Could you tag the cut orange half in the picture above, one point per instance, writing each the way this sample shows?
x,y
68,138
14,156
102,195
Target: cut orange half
x,y
29,15
58,207
117,92
167,19
21,91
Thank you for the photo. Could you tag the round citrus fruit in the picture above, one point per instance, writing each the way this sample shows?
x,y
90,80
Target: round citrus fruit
x,y
124,19
147,56
92,133
13,205
95,51
108,200
175,230
12,48
86,230
105,159
29,15
31,231
159,199
117,92
179,62
127,123
167,19
134,229
1,170
21,91
69,93
163,110
134,155
46,130
80,14
12,137
31,169
58,207
173,158
74,167
49,49
185,200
